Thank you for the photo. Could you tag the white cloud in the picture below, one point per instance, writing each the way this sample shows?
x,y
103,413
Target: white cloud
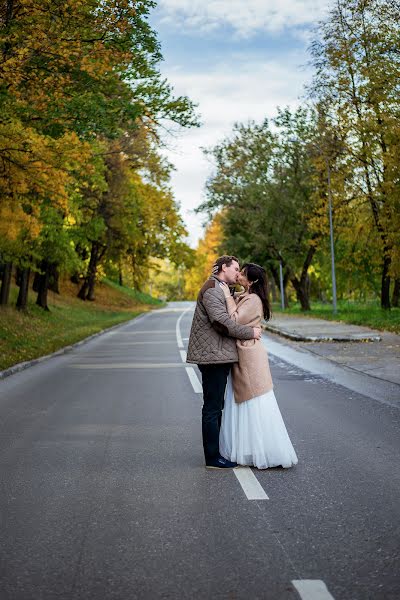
x,y
243,88
246,18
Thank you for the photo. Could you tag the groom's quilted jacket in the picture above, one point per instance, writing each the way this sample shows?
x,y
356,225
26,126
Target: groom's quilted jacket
x,y
213,334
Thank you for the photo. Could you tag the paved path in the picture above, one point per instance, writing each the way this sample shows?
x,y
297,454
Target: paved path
x,y
376,353
310,329
104,494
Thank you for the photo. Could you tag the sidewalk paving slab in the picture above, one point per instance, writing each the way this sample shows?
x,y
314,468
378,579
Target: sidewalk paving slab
x,y
308,329
330,340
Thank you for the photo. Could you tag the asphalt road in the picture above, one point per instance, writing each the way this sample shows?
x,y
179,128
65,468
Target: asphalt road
x,y
104,493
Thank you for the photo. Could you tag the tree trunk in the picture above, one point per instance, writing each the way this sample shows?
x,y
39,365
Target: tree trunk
x,y
302,293
87,290
396,293
43,285
91,283
36,281
385,288
5,283
23,282
120,278
54,278
83,291
302,285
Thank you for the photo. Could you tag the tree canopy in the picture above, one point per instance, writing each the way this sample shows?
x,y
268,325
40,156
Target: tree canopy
x,y
82,181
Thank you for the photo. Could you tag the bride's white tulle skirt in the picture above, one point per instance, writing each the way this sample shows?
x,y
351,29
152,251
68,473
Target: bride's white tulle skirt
x,y
253,432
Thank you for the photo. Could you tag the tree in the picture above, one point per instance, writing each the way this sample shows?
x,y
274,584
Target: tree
x,y
264,181
75,75
357,77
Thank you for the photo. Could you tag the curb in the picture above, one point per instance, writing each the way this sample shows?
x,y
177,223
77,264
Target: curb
x,y
30,363
297,337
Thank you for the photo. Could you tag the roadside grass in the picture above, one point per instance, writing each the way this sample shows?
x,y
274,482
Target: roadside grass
x,y
368,314
25,335
138,296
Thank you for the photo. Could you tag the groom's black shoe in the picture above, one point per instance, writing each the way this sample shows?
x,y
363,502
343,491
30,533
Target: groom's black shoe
x,y
221,463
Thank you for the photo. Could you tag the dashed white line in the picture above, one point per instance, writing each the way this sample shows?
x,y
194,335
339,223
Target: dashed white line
x,y
178,330
250,484
308,589
194,380
312,589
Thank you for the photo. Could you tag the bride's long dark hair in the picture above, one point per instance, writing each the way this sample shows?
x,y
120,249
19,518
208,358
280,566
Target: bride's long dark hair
x,y
259,285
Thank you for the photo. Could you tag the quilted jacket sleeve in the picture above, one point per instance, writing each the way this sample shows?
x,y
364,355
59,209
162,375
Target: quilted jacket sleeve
x,y
214,303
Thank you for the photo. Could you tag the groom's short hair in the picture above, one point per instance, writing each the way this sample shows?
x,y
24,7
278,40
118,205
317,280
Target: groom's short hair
x,y
223,260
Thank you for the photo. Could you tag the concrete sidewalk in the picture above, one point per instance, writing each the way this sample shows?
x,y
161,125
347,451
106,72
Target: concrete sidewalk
x,y
375,353
305,329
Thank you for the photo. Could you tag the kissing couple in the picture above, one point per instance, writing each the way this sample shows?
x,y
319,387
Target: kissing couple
x,y
241,420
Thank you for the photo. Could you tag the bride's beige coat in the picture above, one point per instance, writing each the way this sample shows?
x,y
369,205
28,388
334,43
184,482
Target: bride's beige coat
x,y
251,376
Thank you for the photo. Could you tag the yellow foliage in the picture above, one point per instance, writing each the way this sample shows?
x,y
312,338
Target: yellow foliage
x,y
207,252
35,166
17,227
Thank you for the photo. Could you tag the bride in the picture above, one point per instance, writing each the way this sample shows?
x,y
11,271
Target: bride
x,y
252,429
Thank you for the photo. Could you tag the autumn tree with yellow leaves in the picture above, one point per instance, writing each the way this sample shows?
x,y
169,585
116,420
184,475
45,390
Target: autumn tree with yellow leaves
x,y
209,247
75,76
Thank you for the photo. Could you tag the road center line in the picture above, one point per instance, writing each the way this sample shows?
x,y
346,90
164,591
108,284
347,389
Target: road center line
x,y
178,330
312,589
250,484
194,380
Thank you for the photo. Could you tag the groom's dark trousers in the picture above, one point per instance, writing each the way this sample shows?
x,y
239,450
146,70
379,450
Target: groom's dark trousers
x,y
214,379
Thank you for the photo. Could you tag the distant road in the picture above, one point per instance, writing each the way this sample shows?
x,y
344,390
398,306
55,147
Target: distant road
x,y
104,493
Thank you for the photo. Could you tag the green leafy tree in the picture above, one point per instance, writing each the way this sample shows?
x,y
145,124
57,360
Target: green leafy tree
x,y
263,180
357,77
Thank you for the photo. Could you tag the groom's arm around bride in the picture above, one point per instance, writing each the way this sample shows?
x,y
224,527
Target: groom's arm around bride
x,y
212,346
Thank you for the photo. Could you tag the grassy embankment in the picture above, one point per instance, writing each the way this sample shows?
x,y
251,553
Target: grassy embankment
x,y
35,332
368,314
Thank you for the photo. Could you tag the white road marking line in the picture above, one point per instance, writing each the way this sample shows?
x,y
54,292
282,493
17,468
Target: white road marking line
x,y
312,589
178,331
194,380
250,484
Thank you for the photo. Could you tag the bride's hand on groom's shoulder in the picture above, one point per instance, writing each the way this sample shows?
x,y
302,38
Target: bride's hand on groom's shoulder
x,y
225,289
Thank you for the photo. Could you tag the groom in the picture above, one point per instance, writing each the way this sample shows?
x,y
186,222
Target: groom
x,y
212,346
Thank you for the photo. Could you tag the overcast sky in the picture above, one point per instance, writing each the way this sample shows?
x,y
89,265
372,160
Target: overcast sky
x,y
238,61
